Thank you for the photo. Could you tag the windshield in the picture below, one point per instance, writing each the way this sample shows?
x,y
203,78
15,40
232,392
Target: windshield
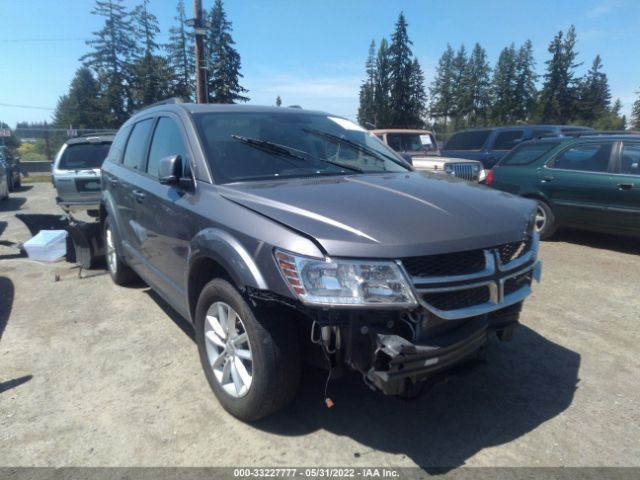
x,y
265,145
84,156
411,142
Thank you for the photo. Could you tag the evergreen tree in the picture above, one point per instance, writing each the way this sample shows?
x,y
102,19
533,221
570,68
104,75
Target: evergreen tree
x,y
367,108
559,92
610,119
112,49
381,94
417,96
442,87
504,85
635,112
224,60
594,93
400,62
459,92
180,56
82,106
151,75
525,93
478,84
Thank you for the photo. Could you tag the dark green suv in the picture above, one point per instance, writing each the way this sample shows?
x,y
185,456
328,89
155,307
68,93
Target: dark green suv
x,y
589,182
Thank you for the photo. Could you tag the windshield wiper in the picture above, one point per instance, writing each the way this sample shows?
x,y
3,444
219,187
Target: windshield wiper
x,y
268,147
278,149
377,155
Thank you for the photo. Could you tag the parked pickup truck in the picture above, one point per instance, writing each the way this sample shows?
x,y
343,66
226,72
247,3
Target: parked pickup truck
x,y
419,148
285,235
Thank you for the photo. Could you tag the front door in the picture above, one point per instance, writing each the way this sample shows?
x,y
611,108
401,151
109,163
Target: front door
x,y
163,213
624,207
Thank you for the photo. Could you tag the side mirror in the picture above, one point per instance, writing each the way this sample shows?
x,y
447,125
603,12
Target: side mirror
x,y
170,172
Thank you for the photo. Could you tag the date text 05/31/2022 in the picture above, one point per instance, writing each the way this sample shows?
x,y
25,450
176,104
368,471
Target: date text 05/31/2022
x,y
323,472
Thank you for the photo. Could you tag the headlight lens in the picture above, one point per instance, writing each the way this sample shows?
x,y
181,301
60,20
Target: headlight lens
x,y
344,282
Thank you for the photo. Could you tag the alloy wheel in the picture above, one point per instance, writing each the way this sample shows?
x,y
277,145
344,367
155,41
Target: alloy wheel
x,y
541,218
228,349
112,256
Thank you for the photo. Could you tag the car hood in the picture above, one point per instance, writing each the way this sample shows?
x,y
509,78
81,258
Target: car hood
x,y
388,215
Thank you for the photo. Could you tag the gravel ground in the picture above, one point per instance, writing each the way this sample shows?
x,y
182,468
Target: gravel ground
x,y
92,374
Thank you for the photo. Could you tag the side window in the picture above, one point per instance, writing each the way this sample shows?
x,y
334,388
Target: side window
x,y
166,141
630,159
508,140
470,140
117,147
134,154
590,157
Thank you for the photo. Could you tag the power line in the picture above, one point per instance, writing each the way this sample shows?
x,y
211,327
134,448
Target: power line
x,y
25,106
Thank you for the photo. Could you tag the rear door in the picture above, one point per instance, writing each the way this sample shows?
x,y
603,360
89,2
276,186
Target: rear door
x,y
123,182
578,183
625,190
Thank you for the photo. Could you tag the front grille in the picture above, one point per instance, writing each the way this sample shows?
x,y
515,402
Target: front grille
x,y
514,250
457,299
466,171
460,263
514,284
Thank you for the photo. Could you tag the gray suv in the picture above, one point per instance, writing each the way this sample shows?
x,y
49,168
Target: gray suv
x,y
285,235
75,172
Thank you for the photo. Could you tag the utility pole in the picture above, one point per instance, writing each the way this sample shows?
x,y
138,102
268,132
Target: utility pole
x,y
200,31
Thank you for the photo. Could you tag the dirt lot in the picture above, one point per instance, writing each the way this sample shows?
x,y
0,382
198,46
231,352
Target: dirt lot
x,y
98,375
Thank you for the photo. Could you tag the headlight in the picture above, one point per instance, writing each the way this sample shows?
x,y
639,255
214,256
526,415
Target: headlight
x,y
344,282
482,176
448,168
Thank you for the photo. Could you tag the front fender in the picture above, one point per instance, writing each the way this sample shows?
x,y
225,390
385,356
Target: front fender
x,y
230,254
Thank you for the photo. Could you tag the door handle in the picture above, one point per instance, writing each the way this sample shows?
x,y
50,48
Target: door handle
x,y
625,186
546,179
113,182
139,196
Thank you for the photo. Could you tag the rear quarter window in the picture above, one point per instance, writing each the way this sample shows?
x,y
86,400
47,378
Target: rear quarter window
x,y
473,140
508,140
528,153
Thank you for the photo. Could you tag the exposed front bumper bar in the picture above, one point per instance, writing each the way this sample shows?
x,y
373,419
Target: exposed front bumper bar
x,y
398,361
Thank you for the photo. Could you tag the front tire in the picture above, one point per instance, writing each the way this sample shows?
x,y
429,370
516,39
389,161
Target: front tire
x,y
250,356
121,274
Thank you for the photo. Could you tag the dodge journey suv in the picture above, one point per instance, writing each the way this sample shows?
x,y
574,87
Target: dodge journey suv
x,y
285,235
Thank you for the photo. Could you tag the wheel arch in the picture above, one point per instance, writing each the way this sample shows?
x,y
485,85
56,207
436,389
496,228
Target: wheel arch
x,y
215,253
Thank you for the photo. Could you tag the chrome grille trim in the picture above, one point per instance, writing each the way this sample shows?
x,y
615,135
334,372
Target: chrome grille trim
x,y
465,171
493,276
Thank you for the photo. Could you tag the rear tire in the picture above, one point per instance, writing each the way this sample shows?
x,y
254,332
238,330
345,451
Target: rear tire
x,y
545,220
250,356
120,272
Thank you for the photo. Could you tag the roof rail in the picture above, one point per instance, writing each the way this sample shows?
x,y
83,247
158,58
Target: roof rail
x,y
166,101
97,132
600,132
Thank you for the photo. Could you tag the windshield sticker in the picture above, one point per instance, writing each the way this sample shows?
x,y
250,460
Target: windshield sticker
x,y
425,139
347,124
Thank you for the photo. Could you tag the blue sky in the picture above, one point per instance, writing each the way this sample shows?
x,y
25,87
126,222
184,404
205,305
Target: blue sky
x,y
312,52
